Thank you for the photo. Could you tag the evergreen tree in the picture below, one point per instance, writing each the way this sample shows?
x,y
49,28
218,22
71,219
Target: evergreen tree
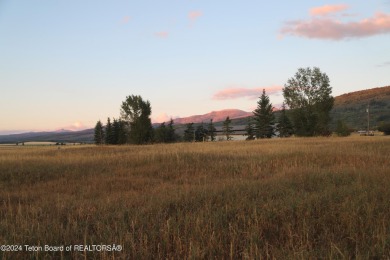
x,y
118,132
250,130
136,112
264,117
227,129
189,132
308,94
171,136
200,133
284,126
211,131
122,137
99,133
108,134
161,133
116,129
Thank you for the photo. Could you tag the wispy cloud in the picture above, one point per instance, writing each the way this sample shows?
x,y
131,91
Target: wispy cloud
x,y
194,15
162,35
327,9
250,93
126,19
333,29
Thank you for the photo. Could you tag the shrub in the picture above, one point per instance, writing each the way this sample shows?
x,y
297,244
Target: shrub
x,y
342,129
385,128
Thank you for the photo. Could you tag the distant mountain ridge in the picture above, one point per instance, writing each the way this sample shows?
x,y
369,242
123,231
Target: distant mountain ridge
x,y
84,136
216,116
350,108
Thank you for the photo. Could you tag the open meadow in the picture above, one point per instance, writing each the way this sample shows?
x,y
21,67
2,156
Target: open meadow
x,y
291,198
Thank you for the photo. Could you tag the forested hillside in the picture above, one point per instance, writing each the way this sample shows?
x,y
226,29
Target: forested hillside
x,y
352,108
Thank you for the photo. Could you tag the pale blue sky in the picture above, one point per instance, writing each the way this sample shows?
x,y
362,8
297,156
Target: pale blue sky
x,y
67,64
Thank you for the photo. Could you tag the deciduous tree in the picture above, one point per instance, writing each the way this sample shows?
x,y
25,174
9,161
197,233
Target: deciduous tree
x,y
136,112
284,125
308,95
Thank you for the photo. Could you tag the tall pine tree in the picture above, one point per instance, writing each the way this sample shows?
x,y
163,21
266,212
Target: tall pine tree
x,y
227,129
161,133
121,132
116,129
99,133
108,134
171,136
264,117
200,133
189,132
211,131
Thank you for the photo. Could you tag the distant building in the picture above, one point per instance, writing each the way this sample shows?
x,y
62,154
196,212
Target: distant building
x,y
366,133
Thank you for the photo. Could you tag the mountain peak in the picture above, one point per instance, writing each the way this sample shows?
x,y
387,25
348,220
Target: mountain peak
x,y
216,116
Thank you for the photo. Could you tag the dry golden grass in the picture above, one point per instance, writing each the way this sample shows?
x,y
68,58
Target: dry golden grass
x,y
280,198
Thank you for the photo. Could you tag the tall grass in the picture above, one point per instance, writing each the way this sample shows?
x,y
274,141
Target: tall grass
x,y
286,198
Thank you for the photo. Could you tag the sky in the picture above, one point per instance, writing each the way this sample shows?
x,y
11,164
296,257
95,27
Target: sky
x,y
68,64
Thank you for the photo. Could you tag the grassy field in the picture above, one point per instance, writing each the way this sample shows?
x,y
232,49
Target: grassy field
x,y
281,198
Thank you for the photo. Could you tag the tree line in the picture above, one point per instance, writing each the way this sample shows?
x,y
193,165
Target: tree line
x,y
134,126
304,112
307,95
